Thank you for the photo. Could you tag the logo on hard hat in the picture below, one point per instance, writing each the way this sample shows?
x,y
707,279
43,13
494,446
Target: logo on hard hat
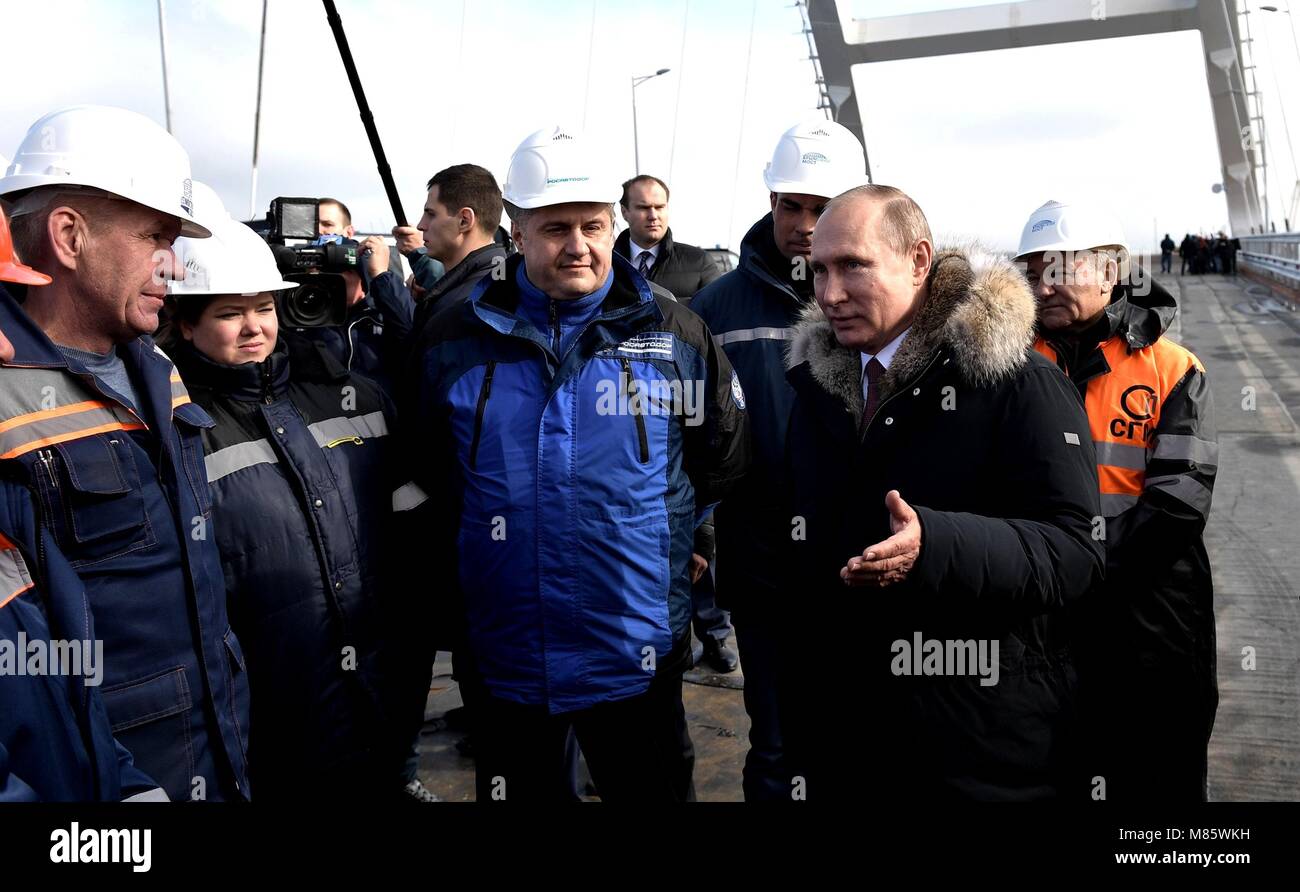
x,y
187,197
561,136
813,158
819,132
567,180
196,275
1041,225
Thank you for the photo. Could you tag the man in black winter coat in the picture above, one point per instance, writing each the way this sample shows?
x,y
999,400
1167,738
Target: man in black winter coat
x,y
944,494
683,269
458,229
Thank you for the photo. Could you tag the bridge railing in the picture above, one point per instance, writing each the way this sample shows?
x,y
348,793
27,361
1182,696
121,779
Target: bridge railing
x,y
1273,257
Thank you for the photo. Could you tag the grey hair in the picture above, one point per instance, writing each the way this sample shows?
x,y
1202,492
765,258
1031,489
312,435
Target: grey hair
x,y
30,212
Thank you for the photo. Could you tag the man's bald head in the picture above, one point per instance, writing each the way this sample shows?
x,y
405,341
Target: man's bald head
x,y
871,257
901,220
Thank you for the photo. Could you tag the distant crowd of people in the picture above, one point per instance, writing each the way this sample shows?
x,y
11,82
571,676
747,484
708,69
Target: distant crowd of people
x,y
1201,254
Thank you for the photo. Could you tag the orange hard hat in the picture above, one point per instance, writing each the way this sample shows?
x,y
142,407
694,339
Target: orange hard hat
x,y
10,269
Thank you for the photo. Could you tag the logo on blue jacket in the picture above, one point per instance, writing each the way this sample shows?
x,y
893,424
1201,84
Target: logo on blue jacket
x,y
737,392
644,346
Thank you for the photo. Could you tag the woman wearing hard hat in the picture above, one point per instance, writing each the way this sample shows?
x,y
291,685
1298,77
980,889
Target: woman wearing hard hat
x,y
300,468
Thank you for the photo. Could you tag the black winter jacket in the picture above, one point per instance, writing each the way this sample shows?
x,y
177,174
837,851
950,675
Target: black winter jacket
x,y
986,441
681,268
377,334
454,287
751,312
301,470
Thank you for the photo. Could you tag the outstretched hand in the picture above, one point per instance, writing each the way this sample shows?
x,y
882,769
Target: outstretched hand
x,y
888,562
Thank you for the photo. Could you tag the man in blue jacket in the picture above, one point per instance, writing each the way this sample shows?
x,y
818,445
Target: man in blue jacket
x,y
55,741
99,428
583,424
752,311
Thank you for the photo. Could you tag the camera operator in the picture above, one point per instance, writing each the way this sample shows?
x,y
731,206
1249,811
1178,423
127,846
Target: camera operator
x,y
370,337
334,218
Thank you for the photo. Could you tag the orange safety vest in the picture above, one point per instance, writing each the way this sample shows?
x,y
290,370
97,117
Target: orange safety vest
x,y
1123,407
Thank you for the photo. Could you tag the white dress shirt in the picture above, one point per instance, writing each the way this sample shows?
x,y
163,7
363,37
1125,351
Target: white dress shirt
x,y
637,251
886,356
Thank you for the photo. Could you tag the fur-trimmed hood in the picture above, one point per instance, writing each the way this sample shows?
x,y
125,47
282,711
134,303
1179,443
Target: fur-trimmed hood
x,y
979,306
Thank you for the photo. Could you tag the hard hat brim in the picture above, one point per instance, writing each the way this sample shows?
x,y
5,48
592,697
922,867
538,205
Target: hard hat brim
x,y
180,292
821,190
533,202
192,229
11,186
22,275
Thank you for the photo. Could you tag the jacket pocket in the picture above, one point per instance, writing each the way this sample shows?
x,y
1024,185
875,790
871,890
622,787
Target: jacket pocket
x,y
90,489
236,652
239,696
151,718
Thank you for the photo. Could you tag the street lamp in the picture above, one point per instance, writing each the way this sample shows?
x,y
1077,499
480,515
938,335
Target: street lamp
x,y
636,145
1295,196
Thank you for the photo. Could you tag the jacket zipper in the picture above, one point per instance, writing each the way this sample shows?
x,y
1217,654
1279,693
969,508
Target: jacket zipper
x,y
268,392
629,388
484,392
555,327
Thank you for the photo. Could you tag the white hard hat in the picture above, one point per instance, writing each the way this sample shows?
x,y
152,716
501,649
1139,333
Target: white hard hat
x,y
816,157
1062,226
4,165
235,260
556,165
110,149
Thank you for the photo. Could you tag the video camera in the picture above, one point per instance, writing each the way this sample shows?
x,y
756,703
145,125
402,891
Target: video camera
x,y
320,300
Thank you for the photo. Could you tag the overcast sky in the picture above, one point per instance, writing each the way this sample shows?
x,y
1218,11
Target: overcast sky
x,y
979,140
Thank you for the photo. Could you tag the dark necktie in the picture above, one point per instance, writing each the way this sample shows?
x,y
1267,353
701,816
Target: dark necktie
x,y
643,264
872,372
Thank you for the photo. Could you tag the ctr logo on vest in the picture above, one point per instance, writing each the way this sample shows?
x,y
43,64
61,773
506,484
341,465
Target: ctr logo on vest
x,y
1139,404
